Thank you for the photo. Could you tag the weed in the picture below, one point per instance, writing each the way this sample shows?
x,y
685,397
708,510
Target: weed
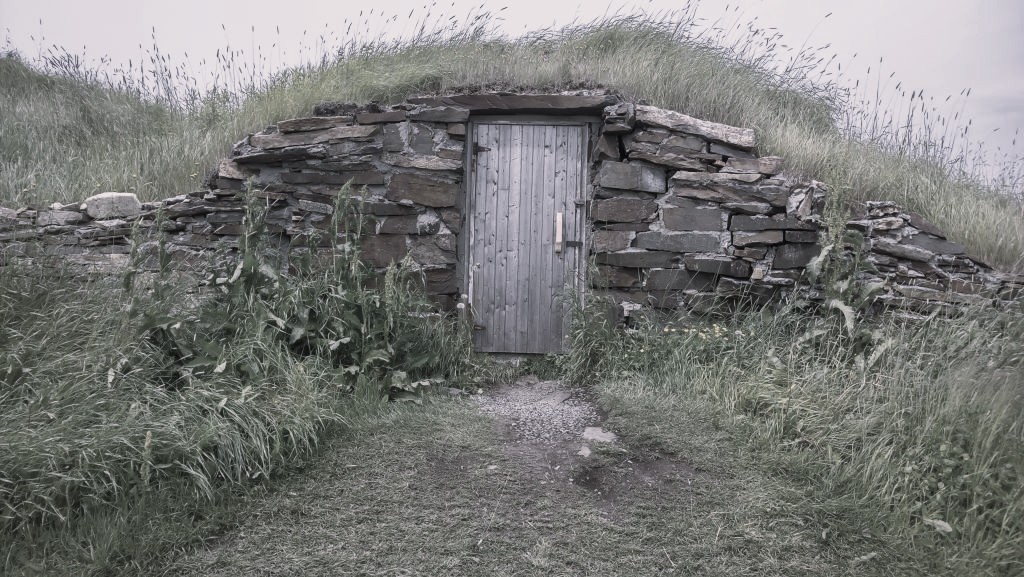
x,y
918,426
143,394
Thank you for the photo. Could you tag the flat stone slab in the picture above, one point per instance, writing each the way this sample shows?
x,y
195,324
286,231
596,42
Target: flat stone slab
x,y
624,210
422,190
286,139
721,265
906,251
58,217
679,279
632,176
599,435
745,223
731,135
423,162
440,114
380,117
611,240
935,244
639,258
680,241
616,277
767,165
795,255
699,219
108,205
312,123
539,103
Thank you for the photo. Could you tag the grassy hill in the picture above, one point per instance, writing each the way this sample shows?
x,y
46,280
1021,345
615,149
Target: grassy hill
x,y
70,135
142,403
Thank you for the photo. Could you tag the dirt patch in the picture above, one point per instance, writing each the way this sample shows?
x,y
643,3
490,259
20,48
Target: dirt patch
x,y
615,482
558,433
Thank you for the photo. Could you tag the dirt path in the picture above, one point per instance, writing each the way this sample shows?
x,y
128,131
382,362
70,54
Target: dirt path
x,y
559,434
502,483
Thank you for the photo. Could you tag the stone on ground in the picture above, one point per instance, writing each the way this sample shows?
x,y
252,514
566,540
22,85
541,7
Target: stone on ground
x,y
598,434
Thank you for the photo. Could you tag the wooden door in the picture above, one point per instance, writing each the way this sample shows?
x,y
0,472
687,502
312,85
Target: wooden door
x,y
526,227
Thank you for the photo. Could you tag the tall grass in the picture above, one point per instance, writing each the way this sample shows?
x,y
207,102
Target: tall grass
x,y
158,140
111,393
115,390
909,429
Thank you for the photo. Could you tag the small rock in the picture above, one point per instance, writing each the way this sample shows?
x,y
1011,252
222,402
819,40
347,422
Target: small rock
x,y
599,434
584,451
58,217
108,205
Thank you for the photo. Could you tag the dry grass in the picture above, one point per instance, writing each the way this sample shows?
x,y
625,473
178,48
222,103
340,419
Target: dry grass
x,y
898,427
432,491
893,428
76,132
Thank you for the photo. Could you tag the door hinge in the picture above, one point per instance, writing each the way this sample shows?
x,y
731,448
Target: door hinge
x,y
477,149
574,244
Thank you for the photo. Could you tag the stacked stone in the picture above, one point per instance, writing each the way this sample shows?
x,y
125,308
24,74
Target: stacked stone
x,y
94,235
404,168
919,269
685,213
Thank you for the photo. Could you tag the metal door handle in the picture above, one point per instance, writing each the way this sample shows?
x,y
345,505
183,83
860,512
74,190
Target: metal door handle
x,y
558,233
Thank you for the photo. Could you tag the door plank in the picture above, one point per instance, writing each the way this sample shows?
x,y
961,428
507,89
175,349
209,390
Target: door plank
x,y
475,231
574,175
537,250
543,272
527,245
498,223
488,225
558,272
512,266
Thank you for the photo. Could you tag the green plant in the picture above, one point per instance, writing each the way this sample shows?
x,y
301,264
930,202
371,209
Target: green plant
x,y
148,392
903,432
365,325
593,339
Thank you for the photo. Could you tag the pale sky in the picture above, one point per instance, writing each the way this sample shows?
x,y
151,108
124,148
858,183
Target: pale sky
x,y
940,46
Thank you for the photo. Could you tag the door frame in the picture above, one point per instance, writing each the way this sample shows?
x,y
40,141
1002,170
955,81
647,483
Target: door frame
x,y
465,202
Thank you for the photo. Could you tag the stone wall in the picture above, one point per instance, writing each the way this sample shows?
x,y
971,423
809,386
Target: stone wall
x,y
402,166
684,213
917,268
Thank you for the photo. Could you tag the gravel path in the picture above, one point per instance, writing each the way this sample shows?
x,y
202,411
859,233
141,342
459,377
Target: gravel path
x,y
553,429
535,411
